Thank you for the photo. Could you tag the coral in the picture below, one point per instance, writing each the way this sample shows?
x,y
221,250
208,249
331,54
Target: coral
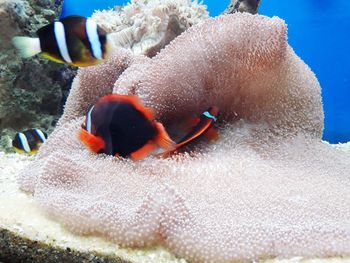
x,y
268,187
145,27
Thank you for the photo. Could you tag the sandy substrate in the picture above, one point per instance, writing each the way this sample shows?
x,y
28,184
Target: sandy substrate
x,y
26,235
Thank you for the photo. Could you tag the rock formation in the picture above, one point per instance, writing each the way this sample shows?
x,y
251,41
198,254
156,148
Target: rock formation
x,y
249,6
33,91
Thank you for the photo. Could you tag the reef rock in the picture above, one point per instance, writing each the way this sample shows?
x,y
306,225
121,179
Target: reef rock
x,y
250,6
267,187
32,91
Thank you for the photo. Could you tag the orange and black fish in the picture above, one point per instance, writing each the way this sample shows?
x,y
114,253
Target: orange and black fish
x,y
202,126
75,40
120,125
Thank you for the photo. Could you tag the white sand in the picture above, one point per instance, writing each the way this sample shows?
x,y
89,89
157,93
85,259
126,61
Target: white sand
x,y
20,214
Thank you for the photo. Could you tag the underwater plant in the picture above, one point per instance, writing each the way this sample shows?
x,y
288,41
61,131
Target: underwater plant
x,y
267,187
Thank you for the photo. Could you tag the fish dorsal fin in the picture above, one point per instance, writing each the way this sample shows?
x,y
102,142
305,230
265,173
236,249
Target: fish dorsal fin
x,y
133,100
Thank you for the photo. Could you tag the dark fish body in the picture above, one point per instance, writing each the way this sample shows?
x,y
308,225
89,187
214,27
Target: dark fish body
x,y
124,128
121,126
74,40
29,141
203,126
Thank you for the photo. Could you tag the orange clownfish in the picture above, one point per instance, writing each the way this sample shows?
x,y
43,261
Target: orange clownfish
x,y
202,126
120,125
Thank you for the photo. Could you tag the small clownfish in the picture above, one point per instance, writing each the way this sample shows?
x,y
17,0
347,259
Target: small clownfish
x,y
201,126
29,141
120,125
75,40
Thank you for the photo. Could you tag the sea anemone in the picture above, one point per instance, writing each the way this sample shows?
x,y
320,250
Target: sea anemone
x,y
267,187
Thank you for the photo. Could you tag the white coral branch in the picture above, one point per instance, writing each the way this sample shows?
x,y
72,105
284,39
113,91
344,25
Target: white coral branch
x,y
145,27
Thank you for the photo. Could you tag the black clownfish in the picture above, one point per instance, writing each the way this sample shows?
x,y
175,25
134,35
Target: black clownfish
x,y
29,141
75,40
120,125
202,126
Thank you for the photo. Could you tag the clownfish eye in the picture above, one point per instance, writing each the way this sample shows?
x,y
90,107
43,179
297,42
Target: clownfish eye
x,y
84,125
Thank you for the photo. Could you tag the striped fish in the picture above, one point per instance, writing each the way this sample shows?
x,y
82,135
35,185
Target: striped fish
x,y
74,40
29,141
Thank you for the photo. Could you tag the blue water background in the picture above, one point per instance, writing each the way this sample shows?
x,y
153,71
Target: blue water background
x,y
319,32
87,7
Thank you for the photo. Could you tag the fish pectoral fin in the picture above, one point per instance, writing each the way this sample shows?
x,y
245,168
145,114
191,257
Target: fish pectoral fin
x,y
92,142
144,151
33,152
19,151
211,134
52,58
163,139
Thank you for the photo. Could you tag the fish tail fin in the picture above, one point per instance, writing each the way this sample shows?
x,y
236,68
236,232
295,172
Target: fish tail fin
x,y
27,46
94,143
163,139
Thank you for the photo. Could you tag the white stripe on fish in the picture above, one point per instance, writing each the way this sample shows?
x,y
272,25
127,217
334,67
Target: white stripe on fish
x,y
91,31
61,41
24,142
88,121
41,135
